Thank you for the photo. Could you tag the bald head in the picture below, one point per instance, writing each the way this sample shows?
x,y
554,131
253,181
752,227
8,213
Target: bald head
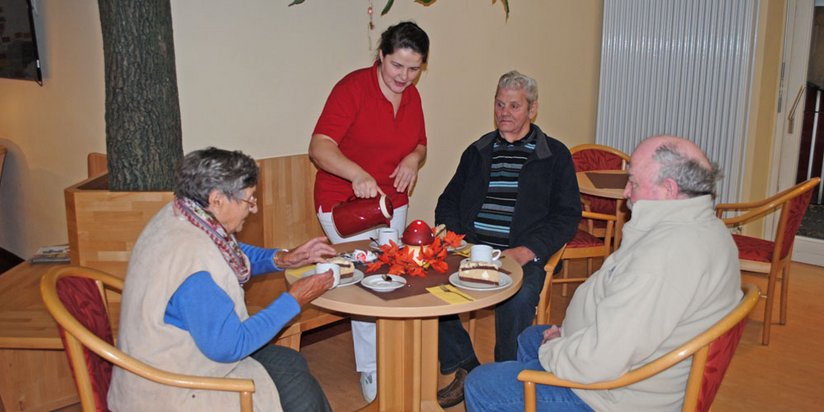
x,y
669,167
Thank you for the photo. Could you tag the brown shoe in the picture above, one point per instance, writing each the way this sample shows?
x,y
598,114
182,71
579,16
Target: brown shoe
x,y
453,393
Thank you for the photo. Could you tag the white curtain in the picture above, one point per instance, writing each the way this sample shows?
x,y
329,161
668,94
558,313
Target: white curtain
x,y
680,67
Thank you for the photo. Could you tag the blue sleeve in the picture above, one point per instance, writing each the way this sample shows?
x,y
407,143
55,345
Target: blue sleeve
x,y
261,259
202,308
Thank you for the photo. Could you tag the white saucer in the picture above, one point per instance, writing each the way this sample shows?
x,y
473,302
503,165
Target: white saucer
x,y
375,246
482,287
460,247
378,284
357,276
497,263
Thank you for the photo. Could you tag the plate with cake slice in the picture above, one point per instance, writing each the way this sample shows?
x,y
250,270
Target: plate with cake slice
x,y
479,276
504,282
497,263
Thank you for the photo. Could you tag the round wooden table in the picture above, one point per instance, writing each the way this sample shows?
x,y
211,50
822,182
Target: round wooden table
x,y
407,331
609,190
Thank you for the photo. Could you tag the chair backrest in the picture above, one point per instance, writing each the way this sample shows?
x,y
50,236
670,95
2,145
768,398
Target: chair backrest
x,y
710,361
719,357
82,298
588,157
791,215
74,295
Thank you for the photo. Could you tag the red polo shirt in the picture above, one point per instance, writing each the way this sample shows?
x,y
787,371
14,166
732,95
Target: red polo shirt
x,y
361,120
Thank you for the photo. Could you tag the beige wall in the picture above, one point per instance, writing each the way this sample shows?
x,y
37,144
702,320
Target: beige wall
x,y
254,75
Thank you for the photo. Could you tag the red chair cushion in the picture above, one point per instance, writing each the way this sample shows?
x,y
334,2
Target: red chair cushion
x,y
752,248
82,299
584,239
718,359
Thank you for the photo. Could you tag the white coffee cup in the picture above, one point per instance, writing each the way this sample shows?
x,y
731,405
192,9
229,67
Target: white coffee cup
x,y
484,253
387,234
324,266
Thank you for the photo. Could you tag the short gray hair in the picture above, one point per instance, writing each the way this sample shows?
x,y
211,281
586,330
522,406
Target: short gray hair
x,y
516,80
693,178
202,171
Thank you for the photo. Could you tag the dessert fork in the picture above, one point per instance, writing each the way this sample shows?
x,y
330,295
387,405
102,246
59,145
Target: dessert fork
x,y
461,294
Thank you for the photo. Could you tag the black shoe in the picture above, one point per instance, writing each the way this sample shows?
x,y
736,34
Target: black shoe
x,y
453,393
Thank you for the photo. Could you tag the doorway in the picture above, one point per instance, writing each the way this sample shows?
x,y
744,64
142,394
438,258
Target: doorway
x,y
801,60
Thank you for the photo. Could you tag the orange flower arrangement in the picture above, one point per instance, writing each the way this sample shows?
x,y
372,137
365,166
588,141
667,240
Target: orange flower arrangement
x,y
403,262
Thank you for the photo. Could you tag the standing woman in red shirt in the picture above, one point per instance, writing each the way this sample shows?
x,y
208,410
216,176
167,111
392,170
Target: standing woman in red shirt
x,y
369,141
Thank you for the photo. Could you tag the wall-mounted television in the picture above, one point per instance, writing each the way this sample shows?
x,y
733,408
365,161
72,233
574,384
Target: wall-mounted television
x,y
19,56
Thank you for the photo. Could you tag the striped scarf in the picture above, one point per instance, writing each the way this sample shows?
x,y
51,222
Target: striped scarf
x,y
225,242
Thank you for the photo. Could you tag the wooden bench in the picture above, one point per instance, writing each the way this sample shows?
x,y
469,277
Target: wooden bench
x,y
285,218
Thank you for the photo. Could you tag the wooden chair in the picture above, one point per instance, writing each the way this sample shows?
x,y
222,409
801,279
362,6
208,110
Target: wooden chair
x,y
542,311
588,157
771,257
711,352
75,297
586,246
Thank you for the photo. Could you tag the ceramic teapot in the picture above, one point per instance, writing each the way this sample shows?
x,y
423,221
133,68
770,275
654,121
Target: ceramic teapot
x,y
356,215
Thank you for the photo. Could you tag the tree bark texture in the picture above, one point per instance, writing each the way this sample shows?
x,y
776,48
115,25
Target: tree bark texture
x,y
143,132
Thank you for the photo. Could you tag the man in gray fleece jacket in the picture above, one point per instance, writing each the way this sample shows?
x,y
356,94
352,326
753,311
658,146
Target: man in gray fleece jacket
x,y
675,274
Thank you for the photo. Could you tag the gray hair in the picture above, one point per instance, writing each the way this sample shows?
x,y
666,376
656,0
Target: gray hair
x,y
518,81
693,179
202,171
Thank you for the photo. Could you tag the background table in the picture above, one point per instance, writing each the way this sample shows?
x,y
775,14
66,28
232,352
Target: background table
x,y
407,330
34,371
585,185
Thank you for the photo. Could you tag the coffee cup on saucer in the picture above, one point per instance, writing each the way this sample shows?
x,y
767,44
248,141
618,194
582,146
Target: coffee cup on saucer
x,y
484,253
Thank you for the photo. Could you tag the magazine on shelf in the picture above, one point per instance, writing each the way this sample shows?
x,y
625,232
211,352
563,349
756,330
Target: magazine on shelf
x,y
51,254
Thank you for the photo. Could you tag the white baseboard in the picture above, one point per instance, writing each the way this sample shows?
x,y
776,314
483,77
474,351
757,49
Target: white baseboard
x,y
809,250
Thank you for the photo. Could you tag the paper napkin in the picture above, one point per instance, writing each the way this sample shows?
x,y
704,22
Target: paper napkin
x,y
454,297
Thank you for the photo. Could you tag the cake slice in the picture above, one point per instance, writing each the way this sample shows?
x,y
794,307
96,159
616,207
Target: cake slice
x,y
347,269
479,272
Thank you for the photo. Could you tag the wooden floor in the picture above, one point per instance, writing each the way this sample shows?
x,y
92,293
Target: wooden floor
x,y
787,375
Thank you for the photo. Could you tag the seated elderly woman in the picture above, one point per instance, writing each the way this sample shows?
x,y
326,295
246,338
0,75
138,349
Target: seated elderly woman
x,y
183,308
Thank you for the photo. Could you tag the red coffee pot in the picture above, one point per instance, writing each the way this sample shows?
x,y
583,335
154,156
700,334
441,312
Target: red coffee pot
x,y
356,215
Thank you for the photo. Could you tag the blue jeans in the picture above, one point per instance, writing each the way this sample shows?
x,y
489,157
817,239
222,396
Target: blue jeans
x,y
511,318
297,388
495,387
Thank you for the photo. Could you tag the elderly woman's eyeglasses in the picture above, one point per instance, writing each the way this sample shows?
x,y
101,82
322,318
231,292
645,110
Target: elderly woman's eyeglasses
x,y
251,201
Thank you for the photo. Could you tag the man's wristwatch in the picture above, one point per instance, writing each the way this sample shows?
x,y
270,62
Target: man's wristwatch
x,y
279,256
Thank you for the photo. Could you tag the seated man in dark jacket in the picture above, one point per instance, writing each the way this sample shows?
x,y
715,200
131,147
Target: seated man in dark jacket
x,y
514,189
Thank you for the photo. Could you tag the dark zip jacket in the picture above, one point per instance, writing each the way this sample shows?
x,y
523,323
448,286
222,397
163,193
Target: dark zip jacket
x,y
548,206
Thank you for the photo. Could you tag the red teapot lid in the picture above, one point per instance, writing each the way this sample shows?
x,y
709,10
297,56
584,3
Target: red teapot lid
x,y
418,233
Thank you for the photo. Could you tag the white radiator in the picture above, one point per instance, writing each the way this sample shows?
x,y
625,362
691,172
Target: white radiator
x,y
680,67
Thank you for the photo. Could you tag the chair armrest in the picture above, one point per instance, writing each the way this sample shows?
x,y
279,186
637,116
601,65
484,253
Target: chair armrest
x,y
598,216
750,215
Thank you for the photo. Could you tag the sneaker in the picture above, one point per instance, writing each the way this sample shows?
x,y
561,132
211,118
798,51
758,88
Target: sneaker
x,y
453,393
369,385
